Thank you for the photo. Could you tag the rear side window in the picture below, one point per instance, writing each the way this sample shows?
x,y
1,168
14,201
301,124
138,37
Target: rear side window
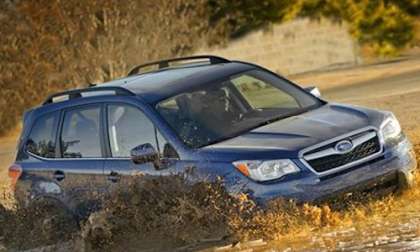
x,y
41,141
80,137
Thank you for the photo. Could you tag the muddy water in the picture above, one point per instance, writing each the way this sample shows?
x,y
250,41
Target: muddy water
x,y
186,217
391,223
167,214
394,228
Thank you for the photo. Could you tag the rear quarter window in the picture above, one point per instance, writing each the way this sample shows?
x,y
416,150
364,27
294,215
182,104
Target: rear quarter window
x,y
42,138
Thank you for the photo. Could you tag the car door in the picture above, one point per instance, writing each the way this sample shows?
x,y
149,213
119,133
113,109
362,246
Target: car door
x,y
79,168
127,128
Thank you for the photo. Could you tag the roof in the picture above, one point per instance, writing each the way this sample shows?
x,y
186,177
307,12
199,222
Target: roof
x,y
159,85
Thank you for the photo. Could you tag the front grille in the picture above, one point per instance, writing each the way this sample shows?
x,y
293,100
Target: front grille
x,y
361,151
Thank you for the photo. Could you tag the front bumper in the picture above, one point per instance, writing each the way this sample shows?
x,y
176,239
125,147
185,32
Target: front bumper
x,y
398,163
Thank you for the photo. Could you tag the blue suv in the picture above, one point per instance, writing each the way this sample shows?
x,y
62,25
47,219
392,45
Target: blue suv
x,y
259,132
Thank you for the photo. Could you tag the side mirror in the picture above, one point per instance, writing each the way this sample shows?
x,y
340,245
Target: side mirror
x,y
314,91
145,153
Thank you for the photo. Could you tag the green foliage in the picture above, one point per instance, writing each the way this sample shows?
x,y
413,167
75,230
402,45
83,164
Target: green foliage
x,y
386,25
239,17
412,7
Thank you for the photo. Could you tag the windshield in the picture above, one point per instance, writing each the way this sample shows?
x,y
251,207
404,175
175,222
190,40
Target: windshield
x,y
233,106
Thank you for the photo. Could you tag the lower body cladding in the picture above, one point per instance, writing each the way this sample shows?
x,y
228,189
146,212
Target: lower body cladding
x,y
397,165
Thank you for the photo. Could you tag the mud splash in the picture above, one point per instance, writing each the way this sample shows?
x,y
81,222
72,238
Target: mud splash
x,y
165,209
168,212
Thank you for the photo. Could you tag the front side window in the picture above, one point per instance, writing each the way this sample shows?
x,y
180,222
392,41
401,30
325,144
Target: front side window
x,y
80,136
41,141
230,107
128,127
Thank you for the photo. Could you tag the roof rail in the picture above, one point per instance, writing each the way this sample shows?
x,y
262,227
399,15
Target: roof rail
x,y
165,63
77,93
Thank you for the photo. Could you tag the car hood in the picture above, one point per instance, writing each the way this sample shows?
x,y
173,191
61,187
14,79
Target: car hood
x,y
292,134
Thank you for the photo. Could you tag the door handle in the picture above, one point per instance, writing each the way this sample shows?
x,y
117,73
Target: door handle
x,y
58,175
114,177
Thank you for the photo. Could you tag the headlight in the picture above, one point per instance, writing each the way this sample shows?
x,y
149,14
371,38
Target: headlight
x,y
259,170
390,128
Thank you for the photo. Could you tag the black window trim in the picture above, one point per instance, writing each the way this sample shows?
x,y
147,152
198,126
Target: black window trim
x,y
58,154
103,128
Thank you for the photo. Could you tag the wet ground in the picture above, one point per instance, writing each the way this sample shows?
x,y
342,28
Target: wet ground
x,y
389,224
396,229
